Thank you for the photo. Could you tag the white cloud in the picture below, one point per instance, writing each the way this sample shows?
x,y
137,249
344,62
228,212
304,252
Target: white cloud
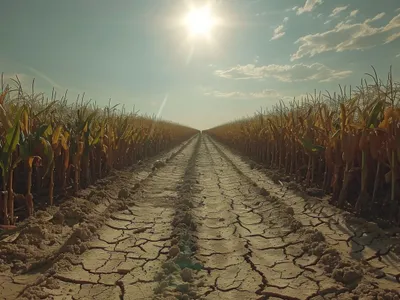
x,y
286,73
278,33
338,10
244,95
308,6
351,16
354,13
398,55
344,37
267,94
294,8
264,94
380,16
219,94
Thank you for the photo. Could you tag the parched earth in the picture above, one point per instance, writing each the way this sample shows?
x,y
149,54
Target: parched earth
x,y
198,222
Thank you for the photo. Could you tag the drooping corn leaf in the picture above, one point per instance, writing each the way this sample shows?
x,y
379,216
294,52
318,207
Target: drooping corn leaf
x,y
47,108
11,142
44,130
64,140
48,153
373,117
309,146
56,134
26,148
3,96
84,125
25,121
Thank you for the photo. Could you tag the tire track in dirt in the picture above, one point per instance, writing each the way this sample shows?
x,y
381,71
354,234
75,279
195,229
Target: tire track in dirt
x,y
249,243
363,258
126,253
176,278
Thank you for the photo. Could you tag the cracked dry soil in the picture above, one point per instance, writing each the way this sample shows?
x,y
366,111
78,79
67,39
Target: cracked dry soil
x,y
206,225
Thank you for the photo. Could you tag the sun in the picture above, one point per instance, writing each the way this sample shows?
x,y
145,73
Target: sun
x,y
200,21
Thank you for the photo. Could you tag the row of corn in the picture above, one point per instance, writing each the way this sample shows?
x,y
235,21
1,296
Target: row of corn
x,y
49,147
346,144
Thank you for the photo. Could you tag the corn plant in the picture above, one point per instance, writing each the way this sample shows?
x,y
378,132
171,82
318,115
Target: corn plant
x,y
346,143
58,146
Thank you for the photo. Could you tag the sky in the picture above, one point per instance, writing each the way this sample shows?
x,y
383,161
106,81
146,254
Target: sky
x,y
141,54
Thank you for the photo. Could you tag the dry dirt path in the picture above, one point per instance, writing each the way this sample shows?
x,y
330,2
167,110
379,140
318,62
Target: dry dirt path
x,y
247,243
123,256
129,250
301,247
376,248
234,234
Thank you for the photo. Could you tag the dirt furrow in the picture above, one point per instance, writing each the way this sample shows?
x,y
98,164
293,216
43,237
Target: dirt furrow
x,y
125,254
249,243
363,257
176,278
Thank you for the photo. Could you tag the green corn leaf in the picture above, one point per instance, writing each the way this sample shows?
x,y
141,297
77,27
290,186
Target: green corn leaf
x,y
11,142
13,135
48,152
309,146
317,148
44,130
307,143
373,117
25,149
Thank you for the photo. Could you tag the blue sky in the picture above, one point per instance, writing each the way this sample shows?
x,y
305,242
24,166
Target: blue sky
x,y
138,54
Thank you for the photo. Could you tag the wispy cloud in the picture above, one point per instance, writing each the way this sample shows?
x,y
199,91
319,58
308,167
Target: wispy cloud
x,y
285,73
294,8
351,16
381,15
345,37
338,10
354,13
264,94
279,31
398,55
308,6
336,14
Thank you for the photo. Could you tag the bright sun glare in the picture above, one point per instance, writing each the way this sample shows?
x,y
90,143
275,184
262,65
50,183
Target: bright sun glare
x,y
200,21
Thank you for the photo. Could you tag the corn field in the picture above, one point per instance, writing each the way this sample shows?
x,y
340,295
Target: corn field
x,y
52,148
347,144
